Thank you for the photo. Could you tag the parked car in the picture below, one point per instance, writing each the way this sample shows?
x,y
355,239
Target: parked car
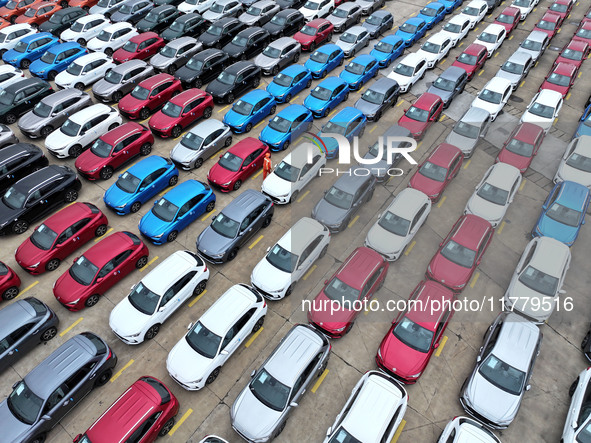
x,y
193,6
574,53
521,146
353,40
535,44
543,109
56,59
175,54
449,84
259,13
248,43
457,28
324,59
348,123
286,126
377,98
84,71
550,24
121,80
278,54
234,81
38,13
379,153
432,13
574,165
516,68
203,67
561,7
289,82
583,34
435,173
28,49
7,137
223,8
359,71
187,25
132,11
576,423
412,30
508,18
10,284
18,161
469,129
10,12
221,32
472,59
62,20
200,143
409,71
11,35
251,109
149,96
476,10
435,48
314,9
326,96
344,16
525,7
85,28
493,96
561,78
378,23
425,111
369,6
112,38
106,7
158,19
461,428
140,47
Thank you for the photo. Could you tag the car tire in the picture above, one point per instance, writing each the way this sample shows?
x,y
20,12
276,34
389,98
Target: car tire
x,y
172,236
100,231
259,324
80,86
75,151
106,173
228,142
289,290
230,99
286,144
25,63
267,222
71,196
273,110
214,374
256,82
52,75
46,130
198,83
207,113
109,52
573,388
10,293
198,163
210,206
176,132
275,70
2,52
20,226
39,439
142,261
144,112
346,97
296,58
294,196
237,185
10,118
312,46
103,378
49,333
326,112
280,429
171,69
287,98
146,149
81,42
113,126
248,127
377,117
166,428
200,288
52,265
343,60
232,254
585,341
173,180
152,332
136,206
92,300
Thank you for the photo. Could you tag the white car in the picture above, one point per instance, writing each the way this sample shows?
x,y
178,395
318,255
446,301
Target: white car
x,y
196,360
84,71
576,162
398,224
222,8
85,29
457,28
492,38
494,193
409,71
494,96
538,278
525,7
475,12
293,174
81,130
578,420
112,38
435,48
275,276
139,316
543,109
199,6
13,34
9,75
313,9
467,430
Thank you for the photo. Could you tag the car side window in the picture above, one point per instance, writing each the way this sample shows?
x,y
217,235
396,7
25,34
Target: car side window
x,y
143,428
252,157
553,196
453,165
390,428
55,398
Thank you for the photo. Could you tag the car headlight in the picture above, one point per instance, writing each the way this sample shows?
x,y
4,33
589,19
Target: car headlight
x,y
35,265
133,335
380,352
120,206
340,329
73,302
217,255
415,375
166,129
93,170
227,184
158,236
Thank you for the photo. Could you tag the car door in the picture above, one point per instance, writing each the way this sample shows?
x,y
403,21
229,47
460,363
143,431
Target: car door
x,y
236,334
174,297
306,259
252,163
453,168
20,343
107,276
72,238
248,226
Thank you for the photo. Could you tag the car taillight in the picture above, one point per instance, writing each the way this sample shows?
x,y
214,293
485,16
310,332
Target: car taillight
x,y
110,354
264,303
205,268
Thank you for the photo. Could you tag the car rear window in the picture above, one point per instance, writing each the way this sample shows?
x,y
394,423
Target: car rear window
x,y
159,387
92,208
196,257
134,238
39,307
101,348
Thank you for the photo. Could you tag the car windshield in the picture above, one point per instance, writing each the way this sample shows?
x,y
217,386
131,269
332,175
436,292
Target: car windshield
x,y
319,57
287,172
571,54
21,47
143,299
355,68
433,171
128,182
43,237
429,12
151,17
83,271
113,77
225,226
404,70
493,194
130,46
253,10
339,198
125,9
520,148
585,33
512,68
340,13
559,79
503,18
140,93
347,37
13,198
584,434
203,341
579,162
467,59
452,28
321,93
282,259
230,161
104,3
192,141
417,114
312,5
430,47
458,254
469,10
168,52
226,78
542,110
413,335
77,27
271,52
531,45
341,292
280,124
407,27
334,128
11,4
55,18
243,108
24,404
539,281
42,109
444,84
30,12
74,69
283,80
240,41
214,30
466,129
101,148
377,98
548,26
502,375
195,64
564,215
104,36
558,7
373,20
70,128
172,110
384,47
48,57
278,20
217,8
394,224
490,96
343,436
269,391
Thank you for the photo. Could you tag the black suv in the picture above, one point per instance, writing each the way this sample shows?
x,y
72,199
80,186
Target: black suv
x,y
35,196
18,161
285,23
202,68
221,32
21,97
61,20
188,25
158,19
248,43
234,81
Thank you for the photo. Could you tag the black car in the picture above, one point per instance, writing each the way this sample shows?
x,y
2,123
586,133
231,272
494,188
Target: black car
x,y
492,4
18,161
202,68
35,196
221,32
292,4
62,20
158,19
21,97
234,81
188,25
285,23
247,43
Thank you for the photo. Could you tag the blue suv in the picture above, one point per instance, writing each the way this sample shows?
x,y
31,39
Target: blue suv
x,y
349,123
250,110
289,82
326,96
56,60
29,49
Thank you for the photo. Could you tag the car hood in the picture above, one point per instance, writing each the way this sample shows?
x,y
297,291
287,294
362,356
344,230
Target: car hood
x,y
270,135
313,66
67,290
519,161
276,90
349,77
412,125
57,140
220,175
234,118
248,19
534,54
159,61
88,161
265,62
212,16
491,402
465,144
528,117
115,196
366,107
567,172
12,428
276,186
95,44
217,88
208,39
328,316
212,243
182,154
150,225
119,17
303,38
455,275
8,215
513,78
445,95
370,27
553,87
485,209
330,143
402,80
253,419
103,87
28,254
185,364
402,359
328,214
65,79
161,121
557,230
344,45
125,320
404,35
269,278
129,103
492,108
384,241
314,104
523,300
336,21
69,35
30,121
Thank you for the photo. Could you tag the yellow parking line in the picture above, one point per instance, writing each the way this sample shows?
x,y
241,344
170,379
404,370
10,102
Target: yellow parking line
x,y
441,202
481,72
442,117
181,421
69,328
303,196
180,136
35,283
149,263
213,156
580,73
373,129
476,28
467,163
567,96
320,380
360,89
510,38
118,374
366,312
522,83
224,108
196,299
103,236
295,98
474,279
144,121
257,174
206,216
399,103
70,204
496,54
254,243
535,9
412,245
352,222
259,124
522,184
253,338
501,227
443,61
162,193
413,14
441,345
332,112
398,431
558,32
309,273
461,44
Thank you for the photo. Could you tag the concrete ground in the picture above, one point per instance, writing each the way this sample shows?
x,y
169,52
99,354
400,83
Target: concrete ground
x,y
434,399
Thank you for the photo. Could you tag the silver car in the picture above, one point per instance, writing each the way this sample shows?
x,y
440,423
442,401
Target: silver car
x,y
223,8
516,68
200,143
469,129
353,40
378,98
7,137
380,170
578,420
345,15
535,44
121,80
279,54
495,389
175,54
259,13
369,6
301,356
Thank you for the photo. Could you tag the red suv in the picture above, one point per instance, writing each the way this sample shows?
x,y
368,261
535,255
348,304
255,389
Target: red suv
x,y
422,114
508,18
550,24
344,295
414,335
144,412
435,173
561,78
140,47
575,53
101,266
315,33
9,282
472,59
149,95
458,255
114,149
521,146
59,236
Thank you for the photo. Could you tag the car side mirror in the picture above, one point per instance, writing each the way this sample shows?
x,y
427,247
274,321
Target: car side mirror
x,y
253,373
325,282
224,352
528,387
15,385
329,431
293,404
478,359
77,438
45,417
435,345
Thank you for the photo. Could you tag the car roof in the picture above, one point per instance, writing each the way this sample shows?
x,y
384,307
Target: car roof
x,y
407,203
63,94
263,3
134,2
187,96
287,12
67,216
415,21
317,22
359,265
169,271
364,59
470,231
223,2
206,127
88,18
181,41
64,47
346,115
444,154
432,300
412,59
517,341
246,146
116,135
228,308
147,165
300,235
293,70
356,30
184,191
254,96
502,175
36,178
494,28
453,72
328,48
109,247
15,315
520,57
347,6
251,30
129,65
332,82
476,3
548,97
550,16
434,5
391,39
472,431
208,53
292,111
282,42
438,37
528,132
564,68
16,27
146,36
382,84
239,67
427,100
549,254
458,19
298,156
115,26
33,37
381,13
475,115
572,195
185,17
86,114
583,145
19,150
475,49
497,84
91,57
24,83
537,36
245,202
156,80
577,45
158,9
511,10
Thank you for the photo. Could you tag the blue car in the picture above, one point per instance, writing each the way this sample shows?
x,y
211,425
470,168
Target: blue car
x,y
432,13
326,96
29,49
563,212
360,70
324,59
286,127
176,210
387,50
289,82
349,123
140,183
56,59
412,30
584,127
450,5
249,110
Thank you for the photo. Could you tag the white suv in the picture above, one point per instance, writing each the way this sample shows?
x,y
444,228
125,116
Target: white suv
x,y
13,34
84,71
464,429
112,38
85,29
199,6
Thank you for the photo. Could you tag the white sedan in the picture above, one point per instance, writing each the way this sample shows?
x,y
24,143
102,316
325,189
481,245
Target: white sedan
x,y
84,71
85,29
409,71
313,9
543,109
9,75
494,96
435,48
112,38
457,28
475,11
525,7
578,421
492,38
199,6
576,162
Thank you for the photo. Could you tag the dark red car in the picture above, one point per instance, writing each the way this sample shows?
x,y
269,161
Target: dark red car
x,y
583,34
9,282
351,287
574,53
458,255
415,334
113,150
99,268
181,111
561,7
422,114
315,33
561,78
140,47
59,236
144,412
472,59
149,95
237,164
521,146
435,173
508,18
550,24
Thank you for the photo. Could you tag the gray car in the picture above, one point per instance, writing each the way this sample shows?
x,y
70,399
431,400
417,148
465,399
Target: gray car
x,y
107,7
345,15
175,54
52,111
200,143
223,8
380,169
23,325
495,389
54,387
7,137
535,44
293,366
369,6
132,11
516,68
234,226
353,40
260,13
469,129
378,98
121,80
279,54
378,23
449,84
344,199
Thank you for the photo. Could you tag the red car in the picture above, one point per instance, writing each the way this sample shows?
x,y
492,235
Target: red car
x,y
15,8
415,334
550,24
587,17
9,282
521,146
561,78
149,95
144,412
561,7
315,33
113,150
458,255
422,114
38,13
354,284
181,111
509,18
574,53
472,59
59,236
101,266
237,164
583,34
435,173
140,47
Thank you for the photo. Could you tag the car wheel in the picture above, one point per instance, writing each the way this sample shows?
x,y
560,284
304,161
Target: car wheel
x,y
289,290
135,207
171,69
198,83
267,222
275,70
142,261
166,428
109,52
287,98
214,374
64,4
200,288
113,126
2,52
48,334
176,132
343,60
323,252
103,378
106,173
52,265
144,113
272,110
146,149
286,144
10,118
322,368
71,196
573,388
237,185
294,196
20,226
39,439
46,130
228,141
232,255
259,324
198,163
280,429
296,58
25,64
75,151
173,180
346,97
100,231
152,332
326,112
81,42
13,19
172,236
210,206
10,293
79,86
585,341
312,46
207,113
377,116
256,82
52,75
248,127
91,301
